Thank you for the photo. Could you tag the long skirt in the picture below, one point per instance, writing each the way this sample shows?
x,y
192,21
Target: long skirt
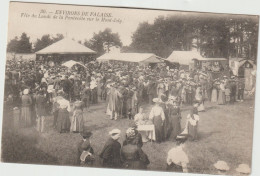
x,y
192,132
26,120
175,127
221,98
201,107
157,121
214,96
63,121
77,122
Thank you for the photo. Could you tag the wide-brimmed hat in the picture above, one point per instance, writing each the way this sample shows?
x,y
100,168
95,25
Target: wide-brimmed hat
x,y
26,91
156,100
221,165
114,131
244,169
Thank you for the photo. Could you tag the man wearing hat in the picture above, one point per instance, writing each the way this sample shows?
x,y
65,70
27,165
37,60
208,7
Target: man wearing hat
x,y
85,151
111,151
233,90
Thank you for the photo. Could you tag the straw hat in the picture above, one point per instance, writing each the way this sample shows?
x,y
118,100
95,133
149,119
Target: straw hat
x,y
114,131
221,165
26,91
243,168
156,100
63,104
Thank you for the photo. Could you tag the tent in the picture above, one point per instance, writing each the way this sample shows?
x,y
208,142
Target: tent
x,y
71,63
184,58
65,50
66,46
130,57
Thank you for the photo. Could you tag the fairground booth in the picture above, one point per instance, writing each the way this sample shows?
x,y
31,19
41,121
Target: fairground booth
x,y
183,59
131,58
65,50
218,67
244,69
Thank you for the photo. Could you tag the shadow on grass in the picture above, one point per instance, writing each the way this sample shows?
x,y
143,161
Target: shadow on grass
x,y
22,149
204,135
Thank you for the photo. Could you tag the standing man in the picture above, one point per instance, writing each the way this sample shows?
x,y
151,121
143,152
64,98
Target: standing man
x,y
233,90
111,151
240,88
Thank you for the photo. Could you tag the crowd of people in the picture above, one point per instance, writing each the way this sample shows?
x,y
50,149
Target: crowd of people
x,y
40,90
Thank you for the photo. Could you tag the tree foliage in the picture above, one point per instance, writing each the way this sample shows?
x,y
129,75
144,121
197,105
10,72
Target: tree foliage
x,y
213,35
46,40
20,45
103,41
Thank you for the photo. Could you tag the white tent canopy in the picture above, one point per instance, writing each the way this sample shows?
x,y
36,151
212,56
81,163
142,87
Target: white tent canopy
x,y
71,63
66,46
184,57
211,59
130,57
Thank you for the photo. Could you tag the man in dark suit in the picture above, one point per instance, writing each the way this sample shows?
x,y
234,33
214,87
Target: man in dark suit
x,y
111,151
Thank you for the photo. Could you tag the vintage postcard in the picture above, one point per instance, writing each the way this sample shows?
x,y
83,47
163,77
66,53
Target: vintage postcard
x,y
126,88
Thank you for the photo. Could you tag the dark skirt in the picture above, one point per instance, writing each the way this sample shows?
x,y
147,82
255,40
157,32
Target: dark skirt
x,y
175,127
130,164
26,120
63,121
193,132
157,121
174,167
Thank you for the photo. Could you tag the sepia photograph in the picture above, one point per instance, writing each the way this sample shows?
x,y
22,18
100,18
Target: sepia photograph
x,y
129,88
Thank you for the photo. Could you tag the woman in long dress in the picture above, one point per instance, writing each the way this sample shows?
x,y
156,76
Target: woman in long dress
x,y
174,115
141,120
63,121
77,118
157,116
192,125
132,155
26,120
199,98
221,94
214,95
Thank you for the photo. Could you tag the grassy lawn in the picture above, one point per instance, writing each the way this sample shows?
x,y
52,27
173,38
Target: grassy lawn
x,y
225,133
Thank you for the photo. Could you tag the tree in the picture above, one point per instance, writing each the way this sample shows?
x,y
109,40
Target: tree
x,y
46,40
22,45
13,45
212,35
103,41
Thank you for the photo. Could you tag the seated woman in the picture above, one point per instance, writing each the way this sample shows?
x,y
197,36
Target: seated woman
x,y
177,159
140,119
132,155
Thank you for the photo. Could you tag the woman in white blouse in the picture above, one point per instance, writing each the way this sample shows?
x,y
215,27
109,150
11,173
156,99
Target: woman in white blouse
x,y
177,159
157,116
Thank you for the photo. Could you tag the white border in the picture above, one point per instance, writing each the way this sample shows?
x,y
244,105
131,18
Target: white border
x,y
220,6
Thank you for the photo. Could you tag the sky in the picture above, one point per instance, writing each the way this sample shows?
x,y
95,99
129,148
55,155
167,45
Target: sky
x,y
76,29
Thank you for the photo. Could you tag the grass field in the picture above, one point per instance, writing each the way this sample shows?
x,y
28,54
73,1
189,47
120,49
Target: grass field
x,y
225,133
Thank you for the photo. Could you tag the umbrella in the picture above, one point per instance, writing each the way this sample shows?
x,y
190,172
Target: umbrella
x,y
71,63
